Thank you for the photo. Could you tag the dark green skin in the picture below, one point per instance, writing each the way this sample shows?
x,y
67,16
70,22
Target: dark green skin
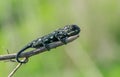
x,y
59,35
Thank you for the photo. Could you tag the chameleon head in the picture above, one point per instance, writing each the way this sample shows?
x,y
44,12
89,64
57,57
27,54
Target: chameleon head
x,y
72,30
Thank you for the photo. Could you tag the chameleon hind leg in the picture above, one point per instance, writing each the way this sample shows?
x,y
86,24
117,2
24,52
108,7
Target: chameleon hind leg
x,y
40,43
45,45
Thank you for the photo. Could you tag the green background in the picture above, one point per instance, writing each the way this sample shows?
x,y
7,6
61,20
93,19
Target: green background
x,y
96,53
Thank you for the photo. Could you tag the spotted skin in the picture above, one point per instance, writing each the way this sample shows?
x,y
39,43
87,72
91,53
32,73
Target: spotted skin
x,y
59,35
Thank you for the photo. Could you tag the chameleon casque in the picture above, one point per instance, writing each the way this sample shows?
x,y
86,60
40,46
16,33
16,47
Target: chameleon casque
x,y
58,35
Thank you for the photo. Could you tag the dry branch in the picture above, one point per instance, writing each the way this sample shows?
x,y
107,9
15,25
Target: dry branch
x,y
36,51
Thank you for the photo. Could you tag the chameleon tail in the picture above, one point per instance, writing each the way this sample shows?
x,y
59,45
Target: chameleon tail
x,y
19,53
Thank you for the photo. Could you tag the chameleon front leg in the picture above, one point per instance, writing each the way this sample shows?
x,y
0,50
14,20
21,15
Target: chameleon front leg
x,y
63,40
60,37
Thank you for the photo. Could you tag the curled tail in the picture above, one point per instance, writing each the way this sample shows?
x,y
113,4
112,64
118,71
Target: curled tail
x,y
19,53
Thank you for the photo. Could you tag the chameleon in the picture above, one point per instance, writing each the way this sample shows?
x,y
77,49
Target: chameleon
x,y
58,35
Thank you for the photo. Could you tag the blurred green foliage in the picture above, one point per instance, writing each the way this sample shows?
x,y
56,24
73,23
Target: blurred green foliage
x,y
95,54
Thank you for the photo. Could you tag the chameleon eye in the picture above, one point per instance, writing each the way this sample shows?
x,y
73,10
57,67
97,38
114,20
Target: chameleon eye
x,y
75,27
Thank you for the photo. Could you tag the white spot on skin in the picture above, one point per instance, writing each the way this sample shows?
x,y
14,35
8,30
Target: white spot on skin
x,y
60,32
51,37
46,39
39,39
33,42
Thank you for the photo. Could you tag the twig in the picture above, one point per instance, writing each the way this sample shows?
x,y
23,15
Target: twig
x,y
36,51
10,59
14,70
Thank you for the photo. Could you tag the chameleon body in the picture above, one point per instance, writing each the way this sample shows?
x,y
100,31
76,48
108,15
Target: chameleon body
x,y
59,35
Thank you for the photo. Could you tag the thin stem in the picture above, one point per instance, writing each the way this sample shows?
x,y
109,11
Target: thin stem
x,y
14,70
36,51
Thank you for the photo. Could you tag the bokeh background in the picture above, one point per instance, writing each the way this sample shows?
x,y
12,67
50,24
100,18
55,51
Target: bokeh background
x,y
96,53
